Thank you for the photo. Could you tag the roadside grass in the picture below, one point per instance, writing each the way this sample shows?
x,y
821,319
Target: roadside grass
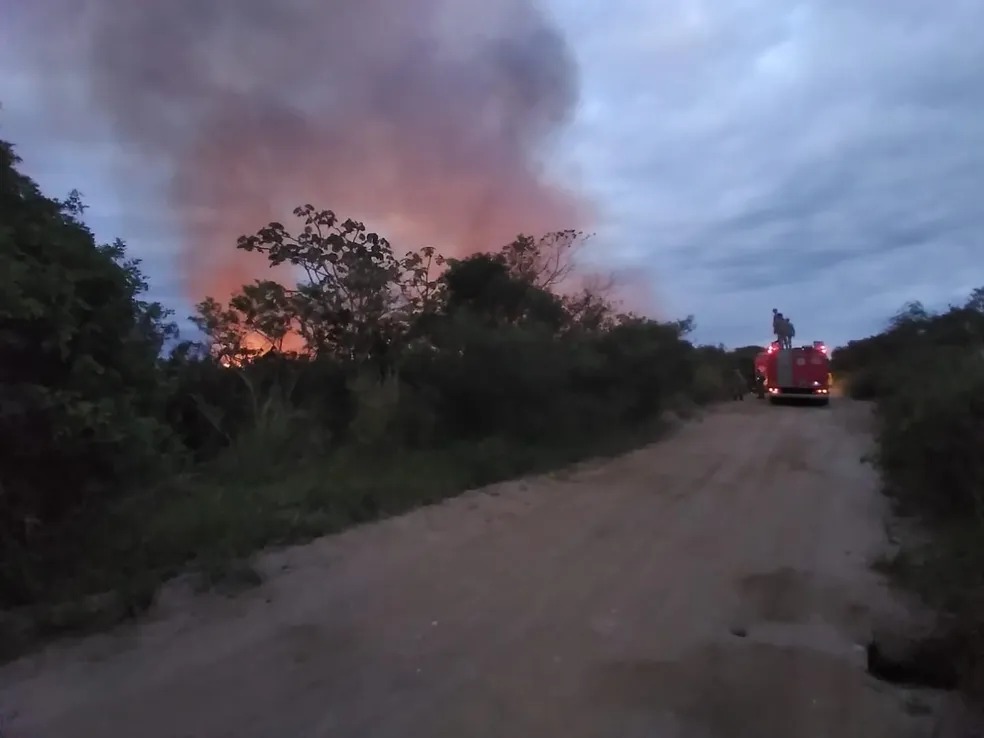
x,y
929,451
947,574
210,523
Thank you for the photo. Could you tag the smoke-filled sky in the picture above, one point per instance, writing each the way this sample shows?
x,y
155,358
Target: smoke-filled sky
x,y
823,157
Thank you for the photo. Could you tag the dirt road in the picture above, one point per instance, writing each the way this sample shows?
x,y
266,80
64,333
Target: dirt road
x,y
714,585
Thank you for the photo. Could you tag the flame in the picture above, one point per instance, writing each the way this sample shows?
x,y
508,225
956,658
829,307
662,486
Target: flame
x,y
255,344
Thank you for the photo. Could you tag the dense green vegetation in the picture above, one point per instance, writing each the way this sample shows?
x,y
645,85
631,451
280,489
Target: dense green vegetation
x,y
127,456
925,373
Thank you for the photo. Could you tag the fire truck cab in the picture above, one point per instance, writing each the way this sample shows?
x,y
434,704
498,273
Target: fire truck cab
x,y
802,372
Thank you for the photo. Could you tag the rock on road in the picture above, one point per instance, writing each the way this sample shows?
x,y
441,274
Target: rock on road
x,y
715,584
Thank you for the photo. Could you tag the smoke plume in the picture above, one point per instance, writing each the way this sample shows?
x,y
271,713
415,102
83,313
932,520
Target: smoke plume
x,y
426,118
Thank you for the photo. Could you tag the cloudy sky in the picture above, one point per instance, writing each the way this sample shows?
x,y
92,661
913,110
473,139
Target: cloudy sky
x,y
825,157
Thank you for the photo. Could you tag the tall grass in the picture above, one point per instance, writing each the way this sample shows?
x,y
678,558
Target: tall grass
x,y
281,481
930,444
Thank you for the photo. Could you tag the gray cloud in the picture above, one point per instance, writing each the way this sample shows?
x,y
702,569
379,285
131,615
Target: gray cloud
x,y
825,157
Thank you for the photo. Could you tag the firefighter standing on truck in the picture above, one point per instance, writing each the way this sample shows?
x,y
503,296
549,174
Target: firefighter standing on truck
x,y
782,328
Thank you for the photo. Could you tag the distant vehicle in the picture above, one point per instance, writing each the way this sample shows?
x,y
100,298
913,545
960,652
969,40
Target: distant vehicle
x,y
802,372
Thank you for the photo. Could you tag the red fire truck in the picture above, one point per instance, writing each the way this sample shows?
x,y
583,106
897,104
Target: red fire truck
x,y
802,372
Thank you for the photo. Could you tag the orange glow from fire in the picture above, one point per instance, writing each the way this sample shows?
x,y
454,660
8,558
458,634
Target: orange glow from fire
x,y
255,344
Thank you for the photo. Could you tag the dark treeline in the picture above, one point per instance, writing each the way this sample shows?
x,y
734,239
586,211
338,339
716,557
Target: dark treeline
x,y
376,383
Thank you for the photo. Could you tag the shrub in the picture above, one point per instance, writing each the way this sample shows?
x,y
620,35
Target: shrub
x,y
81,396
926,375
931,435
